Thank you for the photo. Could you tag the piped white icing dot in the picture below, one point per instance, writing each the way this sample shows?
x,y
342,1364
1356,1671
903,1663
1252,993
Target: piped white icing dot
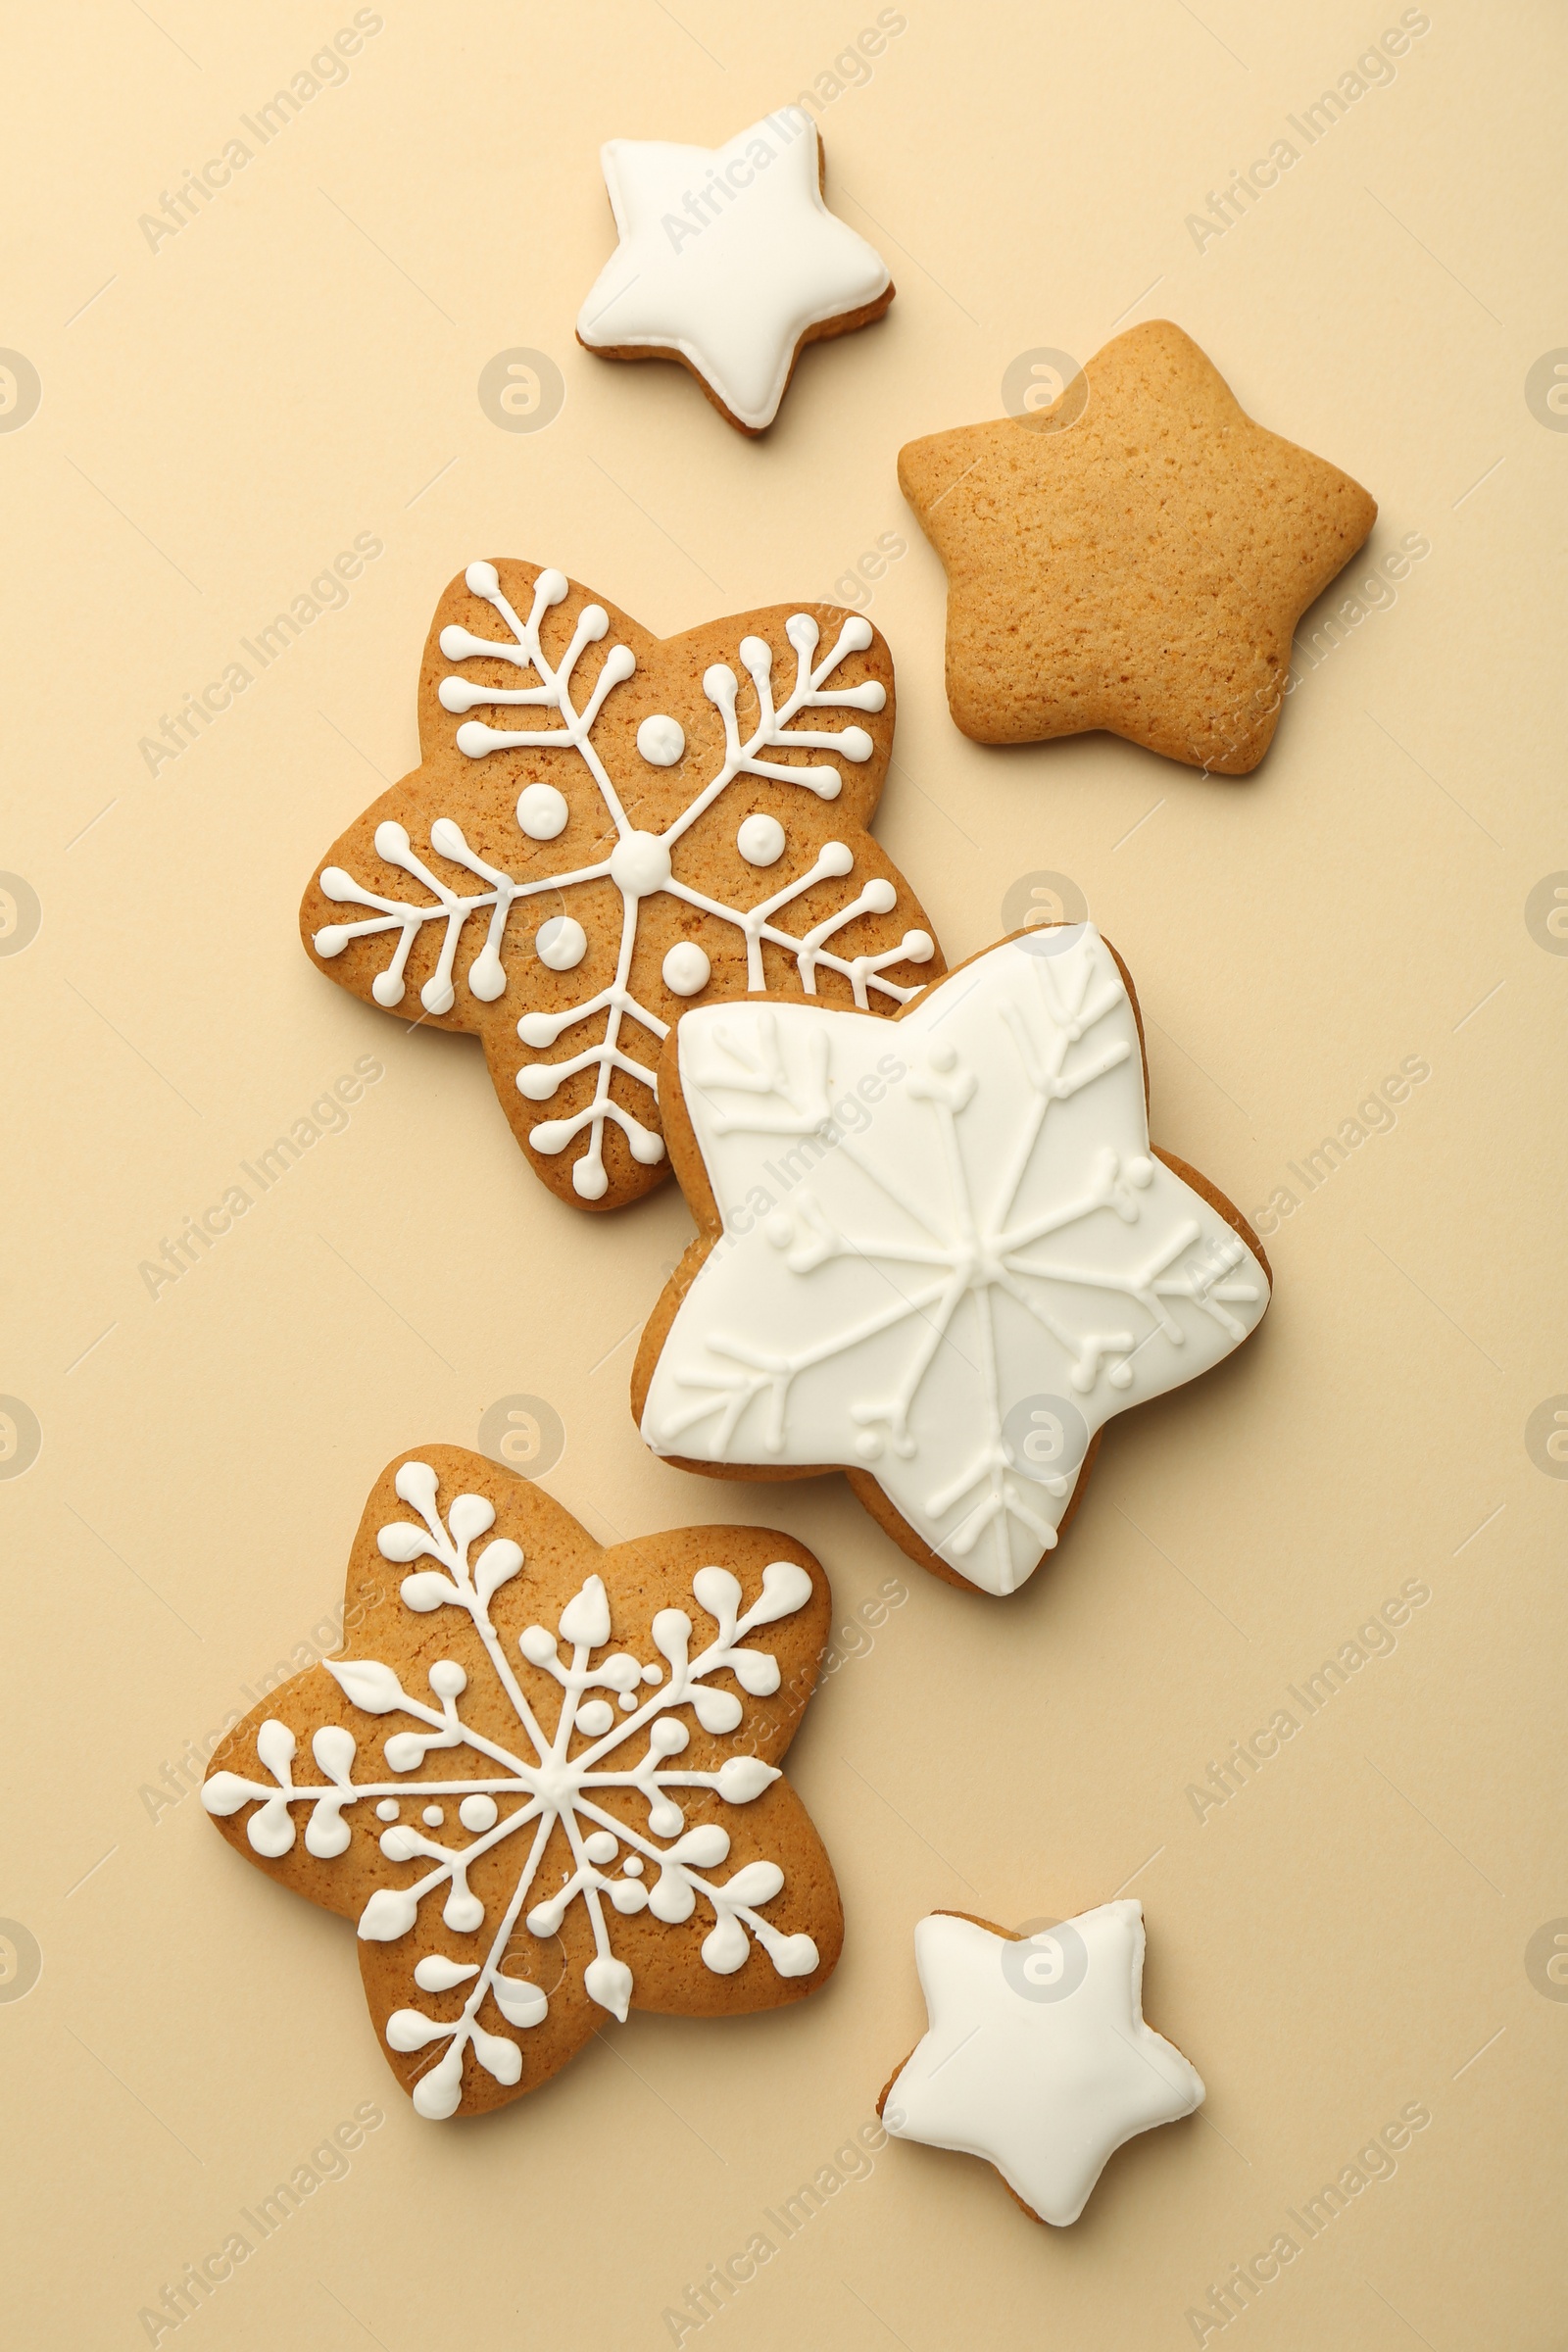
x,y
542,811
633,1866
388,1809
448,1679
760,840
561,943
477,1812
601,1846
687,971
432,1817
639,865
661,740
595,1717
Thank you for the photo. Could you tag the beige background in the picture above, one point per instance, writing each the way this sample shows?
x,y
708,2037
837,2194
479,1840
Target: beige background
x,y
218,418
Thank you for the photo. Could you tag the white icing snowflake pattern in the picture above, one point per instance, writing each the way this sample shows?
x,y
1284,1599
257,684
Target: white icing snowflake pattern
x,y
635,1737
969,1261
639,866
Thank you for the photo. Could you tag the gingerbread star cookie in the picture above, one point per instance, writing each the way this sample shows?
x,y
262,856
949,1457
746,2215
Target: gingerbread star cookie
x,y
541,1778
1038,2057
730,262
939,1253
1135,557
606,826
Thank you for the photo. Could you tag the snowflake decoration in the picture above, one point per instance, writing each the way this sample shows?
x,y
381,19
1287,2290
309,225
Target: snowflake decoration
x,y
569,1779
631,876
966,1264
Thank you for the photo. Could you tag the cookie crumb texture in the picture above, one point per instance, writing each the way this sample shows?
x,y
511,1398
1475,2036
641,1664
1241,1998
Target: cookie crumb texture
x,y
1137,561
606,826
543,1777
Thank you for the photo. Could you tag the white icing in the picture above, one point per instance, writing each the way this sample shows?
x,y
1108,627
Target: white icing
x,y
662,740
1037,2057
542,810
760,840
561,943
933,1227
640,863
547,1778
727,255
687,971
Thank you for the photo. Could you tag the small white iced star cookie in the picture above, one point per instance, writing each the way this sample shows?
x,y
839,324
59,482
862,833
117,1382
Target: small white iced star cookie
x,y
1037,2057
730,262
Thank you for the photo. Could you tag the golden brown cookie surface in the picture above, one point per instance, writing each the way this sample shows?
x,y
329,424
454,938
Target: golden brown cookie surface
x,y
544,1778
1136,559
606,826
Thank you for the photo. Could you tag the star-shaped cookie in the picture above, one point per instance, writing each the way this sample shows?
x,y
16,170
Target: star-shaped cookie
x,y
936,1250
541,1778
730,262
1037,2057
1135,560
605,825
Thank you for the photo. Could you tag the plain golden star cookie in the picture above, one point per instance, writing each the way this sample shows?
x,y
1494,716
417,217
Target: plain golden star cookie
x,y
1135,557
544,1782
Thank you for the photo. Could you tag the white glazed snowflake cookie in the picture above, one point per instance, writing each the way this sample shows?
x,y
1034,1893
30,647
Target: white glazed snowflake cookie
x,y
542,1780
1037,2057
730,262
939,1254
606,826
